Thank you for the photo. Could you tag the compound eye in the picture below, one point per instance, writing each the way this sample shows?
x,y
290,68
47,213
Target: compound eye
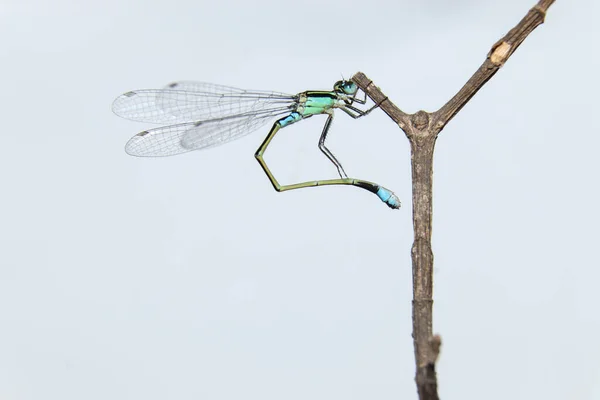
x,y
350,88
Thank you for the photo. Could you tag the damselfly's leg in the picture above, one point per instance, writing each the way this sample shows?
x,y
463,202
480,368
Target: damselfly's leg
x,y
356,112
361,113
326,151
359,101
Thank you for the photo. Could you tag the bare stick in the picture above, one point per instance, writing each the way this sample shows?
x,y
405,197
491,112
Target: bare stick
x,y
496,58
422,129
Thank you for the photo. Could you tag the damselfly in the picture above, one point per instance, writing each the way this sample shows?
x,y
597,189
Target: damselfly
x,y
203,115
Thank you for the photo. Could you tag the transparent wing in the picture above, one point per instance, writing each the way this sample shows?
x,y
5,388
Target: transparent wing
x,y
188,101
181,138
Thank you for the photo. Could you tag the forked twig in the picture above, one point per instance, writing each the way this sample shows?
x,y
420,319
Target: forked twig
x,y
422,129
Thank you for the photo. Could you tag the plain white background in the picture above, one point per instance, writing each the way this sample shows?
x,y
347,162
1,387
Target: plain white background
x,y
190,278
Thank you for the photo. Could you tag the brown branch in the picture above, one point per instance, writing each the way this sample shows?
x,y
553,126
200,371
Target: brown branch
x,y
422,129
496,58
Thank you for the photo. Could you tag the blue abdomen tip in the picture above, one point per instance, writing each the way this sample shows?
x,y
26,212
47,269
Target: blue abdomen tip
x,y
388,197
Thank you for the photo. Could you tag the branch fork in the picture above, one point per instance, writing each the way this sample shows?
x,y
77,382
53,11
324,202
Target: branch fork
x,y
422,129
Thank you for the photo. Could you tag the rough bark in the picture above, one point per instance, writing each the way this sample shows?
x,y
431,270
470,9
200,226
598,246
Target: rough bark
x,y
422,129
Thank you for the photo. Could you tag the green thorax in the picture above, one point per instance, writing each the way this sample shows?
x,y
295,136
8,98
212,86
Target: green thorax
x,y
313,102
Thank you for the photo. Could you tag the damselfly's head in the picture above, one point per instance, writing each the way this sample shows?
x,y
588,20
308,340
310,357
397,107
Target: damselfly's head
x,y
345,87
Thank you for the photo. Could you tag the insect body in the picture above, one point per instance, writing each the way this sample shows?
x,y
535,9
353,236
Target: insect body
x,y
203,115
